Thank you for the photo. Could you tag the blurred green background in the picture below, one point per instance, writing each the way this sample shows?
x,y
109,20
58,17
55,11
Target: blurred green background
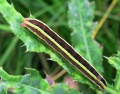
x,y
13,57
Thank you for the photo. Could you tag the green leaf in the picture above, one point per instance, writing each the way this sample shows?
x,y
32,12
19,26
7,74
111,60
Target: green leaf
x,y
32,43
30,84
115,62
15,19
81,13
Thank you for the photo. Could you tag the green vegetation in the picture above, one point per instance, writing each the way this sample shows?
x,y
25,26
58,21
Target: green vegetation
x,y
73,20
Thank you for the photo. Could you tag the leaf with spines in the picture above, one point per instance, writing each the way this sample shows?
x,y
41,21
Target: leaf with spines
x,y
15,19
115,62
31,83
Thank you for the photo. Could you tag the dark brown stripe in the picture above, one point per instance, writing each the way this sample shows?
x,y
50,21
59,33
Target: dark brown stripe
x,y
63,54
67,47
